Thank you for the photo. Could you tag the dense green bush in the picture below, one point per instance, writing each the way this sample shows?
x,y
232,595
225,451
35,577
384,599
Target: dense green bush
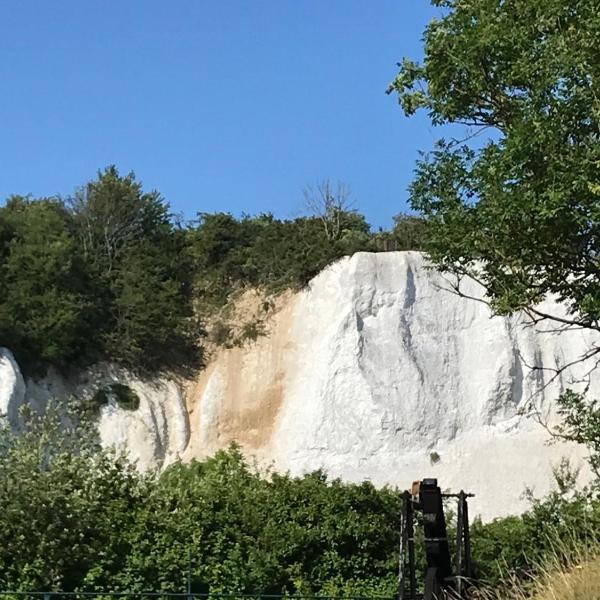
x,y
76,518
555,528
266,252
124,396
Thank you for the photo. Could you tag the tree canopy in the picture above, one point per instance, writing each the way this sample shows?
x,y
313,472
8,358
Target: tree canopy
x,y
514,202
104,275
47,300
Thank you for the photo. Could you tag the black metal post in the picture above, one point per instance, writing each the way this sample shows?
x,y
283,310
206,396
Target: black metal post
x,y
468,568
459,542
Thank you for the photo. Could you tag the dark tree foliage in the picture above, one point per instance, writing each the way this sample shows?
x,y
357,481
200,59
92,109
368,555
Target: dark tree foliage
x,y
409,232
269,253
140,257
105,276
47,304
114,215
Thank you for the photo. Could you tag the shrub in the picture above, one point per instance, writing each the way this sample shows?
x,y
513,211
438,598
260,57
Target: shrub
x,y
123,395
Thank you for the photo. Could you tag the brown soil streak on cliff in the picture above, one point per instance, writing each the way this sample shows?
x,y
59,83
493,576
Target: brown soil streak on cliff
x,y
252,388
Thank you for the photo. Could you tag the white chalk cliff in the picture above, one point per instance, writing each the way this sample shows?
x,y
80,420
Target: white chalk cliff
x,y
375,371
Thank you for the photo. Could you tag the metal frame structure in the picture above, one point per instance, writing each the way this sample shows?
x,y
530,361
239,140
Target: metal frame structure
x,y
443,579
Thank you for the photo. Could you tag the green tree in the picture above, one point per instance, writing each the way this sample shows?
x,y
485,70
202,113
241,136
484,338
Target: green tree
x,y
152,326
113,214
515,204
66,505
140,261
46,294
409,232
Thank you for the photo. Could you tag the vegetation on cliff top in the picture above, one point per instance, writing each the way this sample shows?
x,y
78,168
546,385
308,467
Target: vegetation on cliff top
x,y
110,274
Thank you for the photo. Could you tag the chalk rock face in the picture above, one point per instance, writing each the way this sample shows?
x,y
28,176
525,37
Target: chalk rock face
x,y
153,435
12,388
378,372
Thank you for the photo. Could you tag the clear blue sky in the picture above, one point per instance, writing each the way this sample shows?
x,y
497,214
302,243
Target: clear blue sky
x,y
221,104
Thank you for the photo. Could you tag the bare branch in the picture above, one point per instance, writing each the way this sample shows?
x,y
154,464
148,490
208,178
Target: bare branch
x,y
328,203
